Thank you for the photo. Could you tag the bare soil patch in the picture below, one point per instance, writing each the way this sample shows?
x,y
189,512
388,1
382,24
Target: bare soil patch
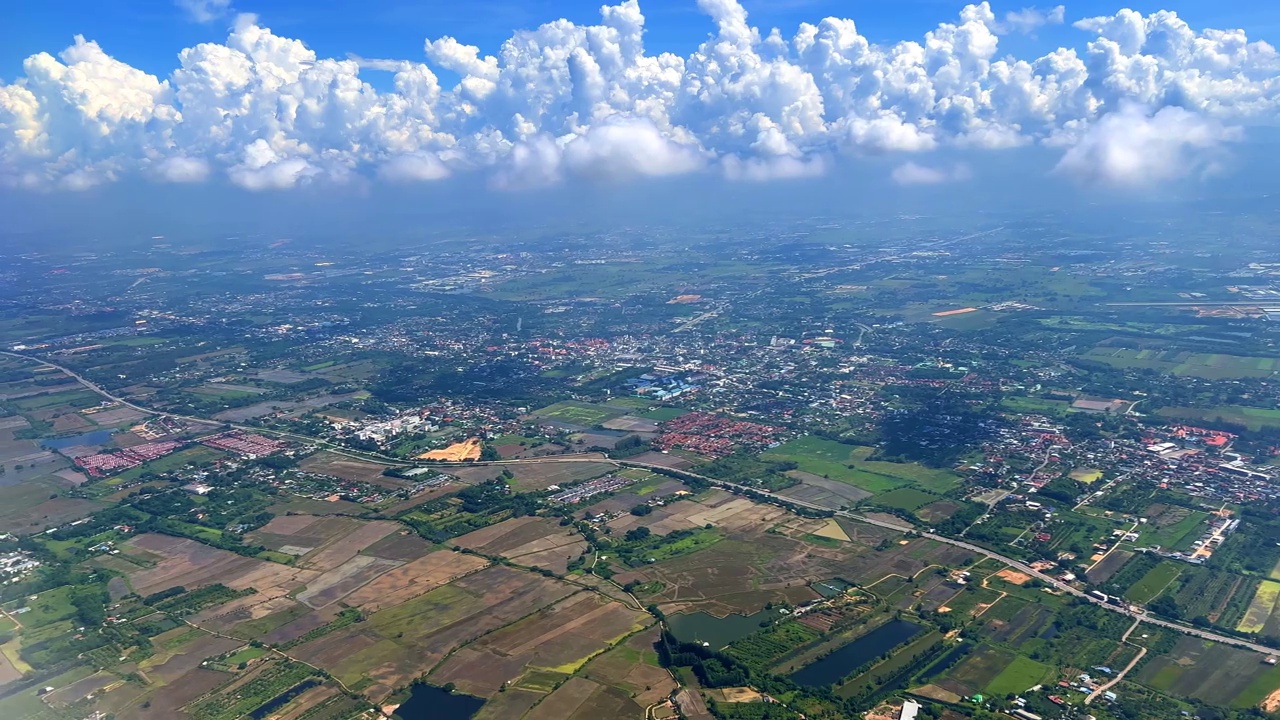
x,y
413,579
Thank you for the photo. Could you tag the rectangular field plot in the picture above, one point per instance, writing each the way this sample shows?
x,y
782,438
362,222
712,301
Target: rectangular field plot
x,y
397,644
1214,673
848,464
558,639
1261,607
579,413
1154,582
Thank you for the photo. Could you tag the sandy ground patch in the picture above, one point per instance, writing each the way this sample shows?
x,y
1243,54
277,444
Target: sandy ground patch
x,y
831,530
342,548
413,579
337,583
1272,702
1013,576
468,449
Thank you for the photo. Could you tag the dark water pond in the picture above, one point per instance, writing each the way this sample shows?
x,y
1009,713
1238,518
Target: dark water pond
x,y
834,667
428,702
716,632
282,699
97,437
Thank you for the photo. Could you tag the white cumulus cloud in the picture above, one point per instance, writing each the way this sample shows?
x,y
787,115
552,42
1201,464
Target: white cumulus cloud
x,y
567,100
1131,147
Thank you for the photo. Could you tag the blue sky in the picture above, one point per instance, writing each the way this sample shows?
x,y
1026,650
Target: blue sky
x,y
268,96
148,34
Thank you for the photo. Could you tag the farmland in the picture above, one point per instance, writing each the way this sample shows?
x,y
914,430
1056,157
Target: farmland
x,y
848,464
580,414
1181,362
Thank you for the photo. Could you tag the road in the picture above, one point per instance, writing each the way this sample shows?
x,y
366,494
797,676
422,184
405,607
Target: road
x,y
903,526
899,525
1142,652
330,446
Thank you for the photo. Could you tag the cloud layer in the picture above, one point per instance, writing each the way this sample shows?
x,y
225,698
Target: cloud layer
x,y
1148,99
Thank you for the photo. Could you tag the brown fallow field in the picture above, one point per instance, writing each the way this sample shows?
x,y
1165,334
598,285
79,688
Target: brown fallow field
x,y
397,644
560,638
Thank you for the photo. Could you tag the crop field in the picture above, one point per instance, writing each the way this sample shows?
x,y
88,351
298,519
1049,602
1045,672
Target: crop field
x,y
633,423
414,578
1214,673
633,666
1203,591
1170,535
848,464
341,466
579,413
560,638
30,506
909,499
977,671
732,576
529,541
1184,363
186,563
1261,607
1150,585
402,545
1253,418
821,491
536,476
1017,676
1108,566
395,645
248,692
337,583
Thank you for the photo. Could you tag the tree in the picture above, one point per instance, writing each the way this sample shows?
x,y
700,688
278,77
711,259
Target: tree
x,y
637,534
641,510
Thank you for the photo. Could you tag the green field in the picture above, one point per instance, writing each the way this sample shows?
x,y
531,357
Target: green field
x,y
1035,405
1260,607
662,414
1253,418
74,399
1183,363
1169,536
848,464
579,413
1151,584
1019,675
909,499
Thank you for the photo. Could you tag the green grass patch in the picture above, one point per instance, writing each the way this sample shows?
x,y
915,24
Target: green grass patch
x,y
662,414
909,499
579,413
1171,535
1255,419
1153,582
848,464
1019,675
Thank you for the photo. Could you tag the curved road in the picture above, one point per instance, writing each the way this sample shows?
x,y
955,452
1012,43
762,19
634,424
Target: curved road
x,y
900,526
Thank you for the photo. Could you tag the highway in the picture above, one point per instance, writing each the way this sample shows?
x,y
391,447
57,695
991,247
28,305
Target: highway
x,y
903,526
899,526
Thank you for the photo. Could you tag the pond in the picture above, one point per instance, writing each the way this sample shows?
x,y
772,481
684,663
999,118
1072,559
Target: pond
x,y
97,437
283,699
428,702
834,667
717,632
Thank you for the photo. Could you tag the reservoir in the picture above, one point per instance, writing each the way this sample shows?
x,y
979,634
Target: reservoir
x,y
428,702
717,632
97,437
834,667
